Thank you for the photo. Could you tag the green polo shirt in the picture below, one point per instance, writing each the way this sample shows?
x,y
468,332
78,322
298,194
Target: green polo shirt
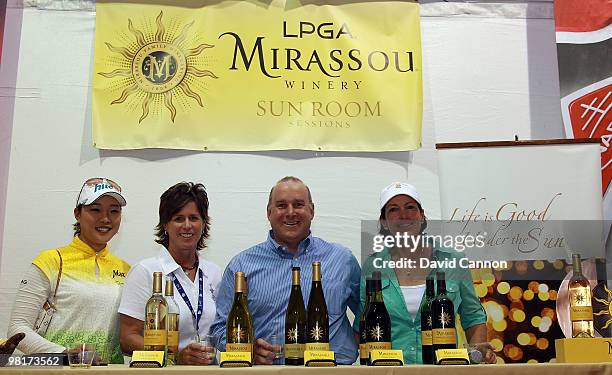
x,y
406,329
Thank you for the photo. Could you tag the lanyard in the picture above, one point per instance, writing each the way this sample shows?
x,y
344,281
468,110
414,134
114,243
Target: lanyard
x,y
195,317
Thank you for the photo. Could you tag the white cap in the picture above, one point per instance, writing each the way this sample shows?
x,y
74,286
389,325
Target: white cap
x,y
398,188
97,188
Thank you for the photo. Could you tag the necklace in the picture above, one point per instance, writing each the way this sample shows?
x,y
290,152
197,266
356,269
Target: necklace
x,y
189,269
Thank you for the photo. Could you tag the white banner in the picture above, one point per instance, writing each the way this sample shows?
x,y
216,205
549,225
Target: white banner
x,y
530,201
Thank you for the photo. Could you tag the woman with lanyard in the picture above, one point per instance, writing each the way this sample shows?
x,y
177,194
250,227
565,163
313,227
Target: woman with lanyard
x,y
182,231
401,214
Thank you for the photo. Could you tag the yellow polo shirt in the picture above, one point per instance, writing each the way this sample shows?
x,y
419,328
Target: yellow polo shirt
x,y
87,297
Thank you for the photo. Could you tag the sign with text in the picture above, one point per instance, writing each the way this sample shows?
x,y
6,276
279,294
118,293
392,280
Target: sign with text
x,y
255,75
527,202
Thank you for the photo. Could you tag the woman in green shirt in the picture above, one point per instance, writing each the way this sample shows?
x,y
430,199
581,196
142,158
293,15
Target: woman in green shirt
x,y
401,216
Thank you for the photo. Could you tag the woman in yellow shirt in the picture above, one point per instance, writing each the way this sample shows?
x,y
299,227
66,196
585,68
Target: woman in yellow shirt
x,y
82,281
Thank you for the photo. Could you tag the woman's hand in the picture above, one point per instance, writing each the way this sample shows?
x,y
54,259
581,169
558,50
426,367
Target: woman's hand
x,y
8,347
196,354
486,349
477,337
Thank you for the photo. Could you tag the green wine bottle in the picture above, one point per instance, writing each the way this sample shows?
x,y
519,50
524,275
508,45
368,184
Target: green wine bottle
x,y
363,346
295,323
443,333
378,323
426,321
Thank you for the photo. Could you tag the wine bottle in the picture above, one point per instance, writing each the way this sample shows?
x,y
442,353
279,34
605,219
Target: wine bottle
x,y
581,310
378,323
363,339
172,323
295,323
443,333
156,311
239,332
317,326
426,322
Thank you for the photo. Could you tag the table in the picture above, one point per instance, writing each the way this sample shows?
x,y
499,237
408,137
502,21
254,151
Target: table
x,y
507,369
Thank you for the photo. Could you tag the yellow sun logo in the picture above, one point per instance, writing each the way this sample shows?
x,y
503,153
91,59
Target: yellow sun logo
x,y
292,335
364,335
316,333
429,321
604,315
376,333
445,318
579,298
238,334
158,67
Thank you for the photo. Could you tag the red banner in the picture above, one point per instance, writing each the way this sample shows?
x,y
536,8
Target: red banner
x,y
584,38
582,15
588,113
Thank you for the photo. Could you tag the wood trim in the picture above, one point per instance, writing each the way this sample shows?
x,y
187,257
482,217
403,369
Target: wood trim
x,y
536,142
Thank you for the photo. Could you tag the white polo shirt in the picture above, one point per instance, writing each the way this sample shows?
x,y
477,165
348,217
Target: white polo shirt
x,y
139,287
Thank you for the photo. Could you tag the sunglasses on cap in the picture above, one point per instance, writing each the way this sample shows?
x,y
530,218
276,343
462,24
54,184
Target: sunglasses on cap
x,y
98,180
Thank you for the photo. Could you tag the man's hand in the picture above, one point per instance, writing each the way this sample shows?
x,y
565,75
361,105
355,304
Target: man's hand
x,y
195,354
264,354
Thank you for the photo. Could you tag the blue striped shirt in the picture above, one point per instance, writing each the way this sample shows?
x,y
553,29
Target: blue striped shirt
x,y
267,267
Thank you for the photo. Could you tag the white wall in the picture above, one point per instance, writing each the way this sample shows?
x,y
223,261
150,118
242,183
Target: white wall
x,y
489,73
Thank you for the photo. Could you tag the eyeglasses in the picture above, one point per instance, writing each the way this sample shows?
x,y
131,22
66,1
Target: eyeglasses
x,y
98,180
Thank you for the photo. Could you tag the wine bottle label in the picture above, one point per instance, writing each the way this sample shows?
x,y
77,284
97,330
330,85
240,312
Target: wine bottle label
x,y
378,345
444,336
155,337
363,351
173,338
156,316
578,313
239,347
294,351
318,346
426,338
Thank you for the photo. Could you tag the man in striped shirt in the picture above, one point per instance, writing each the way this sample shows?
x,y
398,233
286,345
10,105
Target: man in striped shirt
x,y
268,270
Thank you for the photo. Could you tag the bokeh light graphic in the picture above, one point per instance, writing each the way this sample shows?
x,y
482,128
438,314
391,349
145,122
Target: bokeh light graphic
x,y
521,310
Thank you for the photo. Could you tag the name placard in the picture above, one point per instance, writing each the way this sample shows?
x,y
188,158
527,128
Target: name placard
x,y
147,359
452,357
235,359
386,357
319,358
